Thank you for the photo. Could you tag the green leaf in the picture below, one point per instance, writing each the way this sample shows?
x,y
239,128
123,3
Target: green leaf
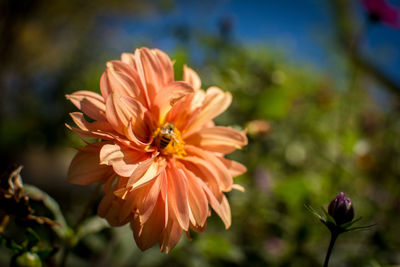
x,y
10,244
44,254
91,225
346,225
32,239
328,217
314,212
360,228
39,195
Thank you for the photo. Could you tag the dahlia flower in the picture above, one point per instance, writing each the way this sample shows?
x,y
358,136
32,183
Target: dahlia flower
x,y
159,154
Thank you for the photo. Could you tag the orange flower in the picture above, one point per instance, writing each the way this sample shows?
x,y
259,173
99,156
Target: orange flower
x,y
161,158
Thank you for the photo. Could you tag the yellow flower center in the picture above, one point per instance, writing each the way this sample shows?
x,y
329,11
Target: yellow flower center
x,y
168,140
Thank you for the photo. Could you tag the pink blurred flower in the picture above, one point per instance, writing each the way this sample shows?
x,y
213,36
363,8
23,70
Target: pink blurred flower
x,y
382,11
160,156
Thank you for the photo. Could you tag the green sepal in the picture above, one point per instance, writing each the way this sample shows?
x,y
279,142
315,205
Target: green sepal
x,y
10,244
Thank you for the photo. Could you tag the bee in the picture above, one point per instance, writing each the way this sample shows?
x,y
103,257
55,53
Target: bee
x,y
166,135
169,141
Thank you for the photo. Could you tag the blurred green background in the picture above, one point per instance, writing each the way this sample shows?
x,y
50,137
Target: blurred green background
x,y
315,82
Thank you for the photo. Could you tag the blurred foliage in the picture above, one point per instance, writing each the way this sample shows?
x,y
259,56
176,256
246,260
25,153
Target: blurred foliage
x,y
325,133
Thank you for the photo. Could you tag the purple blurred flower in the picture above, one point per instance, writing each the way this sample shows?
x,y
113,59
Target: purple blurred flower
x,y
274,246
382,11
263,180
341,209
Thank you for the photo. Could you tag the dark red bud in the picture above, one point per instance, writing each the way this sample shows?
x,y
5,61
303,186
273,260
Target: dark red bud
x,y
341,209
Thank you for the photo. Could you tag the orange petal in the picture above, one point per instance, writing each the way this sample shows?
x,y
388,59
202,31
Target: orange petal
x,y
238,187
131,72
131,201
148,234
117,82
109,209
218,139
136,61
197,200
191,77
171,236
222,175
166,66
205,171
225,212
108,136
96,126
123,160
168,96
220,207
198,228
234,167
164,192
112,213
129,59
178,195
150,199
136,133
154,72
215,102
183,112
121,110
90,103
145,172
85,168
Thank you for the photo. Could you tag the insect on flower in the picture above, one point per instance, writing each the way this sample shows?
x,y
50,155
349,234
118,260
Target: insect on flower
x,y
159,155
168,139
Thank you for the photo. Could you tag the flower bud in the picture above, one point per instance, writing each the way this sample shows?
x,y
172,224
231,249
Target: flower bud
x,y
26,259
341,209
258,128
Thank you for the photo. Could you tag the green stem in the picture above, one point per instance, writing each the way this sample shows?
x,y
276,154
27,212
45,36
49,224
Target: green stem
x,y
334,236
81,219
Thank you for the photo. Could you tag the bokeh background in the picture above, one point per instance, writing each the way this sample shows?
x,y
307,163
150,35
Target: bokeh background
x,y
316,83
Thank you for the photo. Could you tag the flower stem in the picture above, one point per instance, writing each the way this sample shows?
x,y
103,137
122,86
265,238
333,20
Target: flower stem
x,y
81,219
334,236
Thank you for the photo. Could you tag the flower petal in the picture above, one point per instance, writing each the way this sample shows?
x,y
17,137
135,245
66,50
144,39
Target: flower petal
x,y
168,96
123,160
164,193
178,195
150,199
90,103
149,233
197,199
131,72
131,200
157,73
218,139
117,82
215,102
110,206
234,167
85,168
191,77
220,207
171,236
109,136
205,171
122,110
166,66
185,110
145,172
222,175
238,187
96,126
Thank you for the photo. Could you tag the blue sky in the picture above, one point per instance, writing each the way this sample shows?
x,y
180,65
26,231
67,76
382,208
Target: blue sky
x,y
303,29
